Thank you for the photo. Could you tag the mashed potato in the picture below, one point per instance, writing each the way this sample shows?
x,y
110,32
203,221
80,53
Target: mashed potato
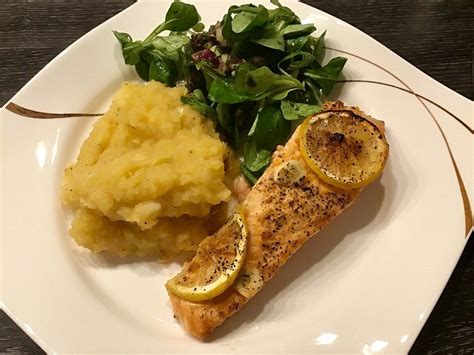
x,y
169,237
148,173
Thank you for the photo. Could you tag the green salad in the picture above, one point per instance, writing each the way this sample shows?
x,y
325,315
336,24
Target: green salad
x,y
257,73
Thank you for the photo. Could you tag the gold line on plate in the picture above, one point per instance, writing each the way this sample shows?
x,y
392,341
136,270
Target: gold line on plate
x,y
468,217
26,112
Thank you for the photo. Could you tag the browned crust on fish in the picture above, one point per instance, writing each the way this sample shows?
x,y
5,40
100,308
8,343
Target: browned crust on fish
x,y
201,318
280,219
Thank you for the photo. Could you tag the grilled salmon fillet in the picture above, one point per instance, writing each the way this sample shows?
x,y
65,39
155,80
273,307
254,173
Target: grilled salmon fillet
x,y
280,219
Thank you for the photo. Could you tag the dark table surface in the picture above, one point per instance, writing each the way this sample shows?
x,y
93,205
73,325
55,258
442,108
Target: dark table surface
x,y
435,36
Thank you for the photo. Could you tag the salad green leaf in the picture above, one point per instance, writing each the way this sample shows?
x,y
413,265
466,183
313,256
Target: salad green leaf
x,y
248,17
327,75
262,82
143,70
298,30
251,176
179,17
225,91
270,128
227,122
296,44
170,43
130,49
256,159
295,60
162,70
273,36
295,110
198,102
283,13
318,45
275,41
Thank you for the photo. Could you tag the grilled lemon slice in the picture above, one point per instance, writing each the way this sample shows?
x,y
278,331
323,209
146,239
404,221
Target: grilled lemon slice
x,y
216,264
344,149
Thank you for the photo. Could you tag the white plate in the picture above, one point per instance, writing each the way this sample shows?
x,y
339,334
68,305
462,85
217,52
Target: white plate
x,y
367,283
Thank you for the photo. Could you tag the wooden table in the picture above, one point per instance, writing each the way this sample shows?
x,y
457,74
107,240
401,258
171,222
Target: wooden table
x,y
435,36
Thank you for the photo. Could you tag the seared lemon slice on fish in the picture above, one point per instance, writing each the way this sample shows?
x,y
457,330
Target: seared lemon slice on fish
x,y
216,264
344,149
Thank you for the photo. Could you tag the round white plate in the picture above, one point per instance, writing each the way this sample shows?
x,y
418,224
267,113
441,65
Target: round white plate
x,y
367,283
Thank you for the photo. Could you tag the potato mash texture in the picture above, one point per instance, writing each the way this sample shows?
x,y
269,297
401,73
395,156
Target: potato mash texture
x,y
149,172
